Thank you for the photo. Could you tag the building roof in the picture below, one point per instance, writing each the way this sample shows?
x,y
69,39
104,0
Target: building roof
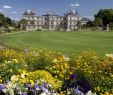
x,y
51,15
29,12
85,19
73,13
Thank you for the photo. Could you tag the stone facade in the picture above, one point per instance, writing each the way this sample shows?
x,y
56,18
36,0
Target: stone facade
x,y
50,21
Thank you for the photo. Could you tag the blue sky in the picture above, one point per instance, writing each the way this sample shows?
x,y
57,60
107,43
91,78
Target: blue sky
x,y
15,8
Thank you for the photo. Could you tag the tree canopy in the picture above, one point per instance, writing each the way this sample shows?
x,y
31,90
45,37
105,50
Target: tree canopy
x,y
104,17
5,21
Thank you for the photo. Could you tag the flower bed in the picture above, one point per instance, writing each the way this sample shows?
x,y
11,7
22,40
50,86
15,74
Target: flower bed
x,y
45,72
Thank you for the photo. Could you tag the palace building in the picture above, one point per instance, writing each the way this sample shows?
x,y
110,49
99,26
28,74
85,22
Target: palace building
x,y
51,21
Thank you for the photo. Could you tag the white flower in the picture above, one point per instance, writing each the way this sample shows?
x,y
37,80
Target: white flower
x,y
109,55
90,93
11,92
22,76
54,60
4,90
43,93
8,62
66,58
14,78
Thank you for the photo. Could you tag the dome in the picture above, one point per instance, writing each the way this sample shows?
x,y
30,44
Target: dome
x,y
29,12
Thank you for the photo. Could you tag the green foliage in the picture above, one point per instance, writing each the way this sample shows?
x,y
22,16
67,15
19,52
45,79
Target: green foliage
x,y
7,24
5,21
44,76
2,19
96,70
111,25
53,68
22,23
90,24
99,22
11,67
104,17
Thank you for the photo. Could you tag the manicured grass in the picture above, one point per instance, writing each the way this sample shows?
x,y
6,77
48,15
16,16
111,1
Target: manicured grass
x,y
65,42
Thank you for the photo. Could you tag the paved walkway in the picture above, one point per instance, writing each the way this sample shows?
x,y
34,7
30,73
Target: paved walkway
x,y
2,47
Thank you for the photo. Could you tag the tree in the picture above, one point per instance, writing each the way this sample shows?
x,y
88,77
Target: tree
x,y
2,20
98,22
90,24
104,17
111,25
79,24
9,22
23,23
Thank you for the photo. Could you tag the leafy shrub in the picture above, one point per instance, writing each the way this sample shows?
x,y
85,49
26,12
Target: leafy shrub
x,y
96,70
45,76
21,85
11,67
59,67
51,67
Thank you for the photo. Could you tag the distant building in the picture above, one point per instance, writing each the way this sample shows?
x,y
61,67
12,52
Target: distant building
x,y
84,21
51,21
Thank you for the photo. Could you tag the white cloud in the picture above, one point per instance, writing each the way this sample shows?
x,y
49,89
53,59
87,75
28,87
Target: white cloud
x,y
75,5
7,7
13,12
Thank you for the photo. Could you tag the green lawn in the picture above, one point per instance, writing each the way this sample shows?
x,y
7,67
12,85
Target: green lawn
x,y
65,42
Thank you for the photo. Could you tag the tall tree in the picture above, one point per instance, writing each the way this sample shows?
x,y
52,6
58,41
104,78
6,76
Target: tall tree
x,y
90,24
111,25
104,17
23,23
2,20
9,22
98,22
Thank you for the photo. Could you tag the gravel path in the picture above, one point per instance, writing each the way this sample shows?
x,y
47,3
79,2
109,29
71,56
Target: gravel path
x,y
2,47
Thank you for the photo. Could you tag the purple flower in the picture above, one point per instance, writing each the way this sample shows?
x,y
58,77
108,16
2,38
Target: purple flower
x,y
47,85
76,90
44,89
2,86
36,86
18,89
73,76
28,85
23,93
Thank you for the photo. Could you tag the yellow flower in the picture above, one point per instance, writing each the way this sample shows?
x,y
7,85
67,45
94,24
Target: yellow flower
x,y
55,76
61,75
71,72
54,60
15,61
11,70
98,88
15,78
0,80
32,82
61,93
111,75
106,93
66,65
24,80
